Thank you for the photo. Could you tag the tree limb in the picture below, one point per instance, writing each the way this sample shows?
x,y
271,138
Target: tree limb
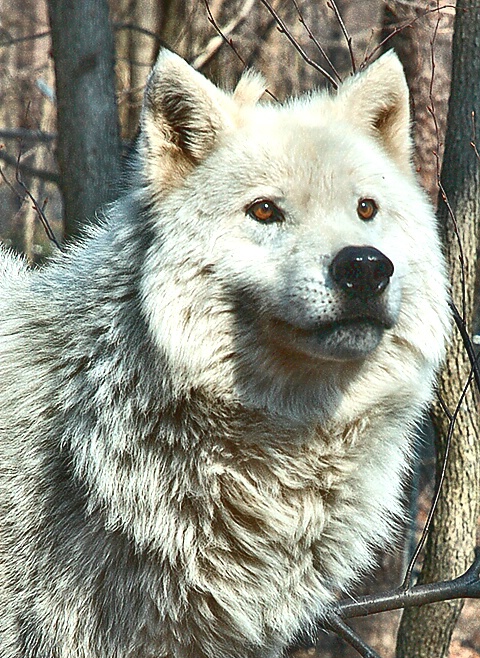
x,y
284,29
9,40
27,135
465,586
48,176
338,626
223,34
333,5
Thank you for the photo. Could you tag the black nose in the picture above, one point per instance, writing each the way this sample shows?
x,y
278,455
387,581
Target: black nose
x,y
361,270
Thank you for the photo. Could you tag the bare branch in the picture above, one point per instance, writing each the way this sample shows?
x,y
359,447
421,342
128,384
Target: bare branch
x,y
41,215
465,586
223,34
461,252
283,28
315,41
473,143
9,185
139,29
333,5
452,417
338,626
460,322
27,135
444,406
448,442
431,107
9,40
400,28
49,176
40,212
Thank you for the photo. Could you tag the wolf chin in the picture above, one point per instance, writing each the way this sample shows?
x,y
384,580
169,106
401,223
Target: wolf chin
x,y
206,407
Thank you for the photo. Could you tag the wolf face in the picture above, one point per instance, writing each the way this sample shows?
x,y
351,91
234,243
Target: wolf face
x,y
309,226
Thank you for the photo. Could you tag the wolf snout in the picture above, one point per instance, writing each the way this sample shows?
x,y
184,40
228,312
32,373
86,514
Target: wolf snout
x,y
361,270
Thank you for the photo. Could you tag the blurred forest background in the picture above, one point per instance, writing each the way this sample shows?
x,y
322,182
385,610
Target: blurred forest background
x,y
220,38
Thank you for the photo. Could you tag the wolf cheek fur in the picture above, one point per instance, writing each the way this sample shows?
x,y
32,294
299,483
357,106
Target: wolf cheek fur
x,y
206,406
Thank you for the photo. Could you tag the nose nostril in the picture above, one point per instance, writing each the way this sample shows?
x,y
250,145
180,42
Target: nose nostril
x,y
361,270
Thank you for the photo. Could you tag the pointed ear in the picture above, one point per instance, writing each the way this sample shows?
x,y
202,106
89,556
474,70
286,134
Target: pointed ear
x,y
250,88
377,101
182,116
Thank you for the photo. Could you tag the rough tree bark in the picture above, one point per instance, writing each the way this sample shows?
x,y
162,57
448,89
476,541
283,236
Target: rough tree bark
x,y
88,148
426,631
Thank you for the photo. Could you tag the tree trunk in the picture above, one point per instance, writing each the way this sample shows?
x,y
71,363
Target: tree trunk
x,y
426,631
88,137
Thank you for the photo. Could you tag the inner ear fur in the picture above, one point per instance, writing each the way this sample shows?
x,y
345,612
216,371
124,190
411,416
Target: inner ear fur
x,y
377,101
183,112
184,115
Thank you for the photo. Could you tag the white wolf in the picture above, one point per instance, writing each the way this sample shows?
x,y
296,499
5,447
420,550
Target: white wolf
x,y
206,407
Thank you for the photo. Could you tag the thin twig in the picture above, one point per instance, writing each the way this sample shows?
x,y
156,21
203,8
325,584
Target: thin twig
x,y
461,255
27,135
9,41
315,41
137,28
49,176
460,322
400,28
448,442
338,626
409,571
284,30
431,107
443,405
473,141
333,5
223,35
9,185
443,194
41,215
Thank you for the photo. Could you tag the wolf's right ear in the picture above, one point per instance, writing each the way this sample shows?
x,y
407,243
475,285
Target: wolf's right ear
x,y
182,116
377,101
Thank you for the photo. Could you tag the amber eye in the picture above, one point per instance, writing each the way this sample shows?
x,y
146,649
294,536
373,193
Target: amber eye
x,y
265,211
367,209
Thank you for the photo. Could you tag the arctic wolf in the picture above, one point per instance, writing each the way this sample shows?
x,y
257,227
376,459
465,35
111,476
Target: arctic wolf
x,y
206,406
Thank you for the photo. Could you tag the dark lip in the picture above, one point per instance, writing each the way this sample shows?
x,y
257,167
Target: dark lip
x,y
328,327
343,340
377,321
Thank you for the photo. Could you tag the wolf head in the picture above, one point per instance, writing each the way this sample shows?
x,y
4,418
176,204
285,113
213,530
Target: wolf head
x,y
296,243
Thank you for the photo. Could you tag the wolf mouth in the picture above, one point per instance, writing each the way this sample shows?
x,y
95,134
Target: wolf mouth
x,y
337,340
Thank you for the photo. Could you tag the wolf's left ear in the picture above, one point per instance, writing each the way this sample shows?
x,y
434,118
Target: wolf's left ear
x,y
182,116
377,101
